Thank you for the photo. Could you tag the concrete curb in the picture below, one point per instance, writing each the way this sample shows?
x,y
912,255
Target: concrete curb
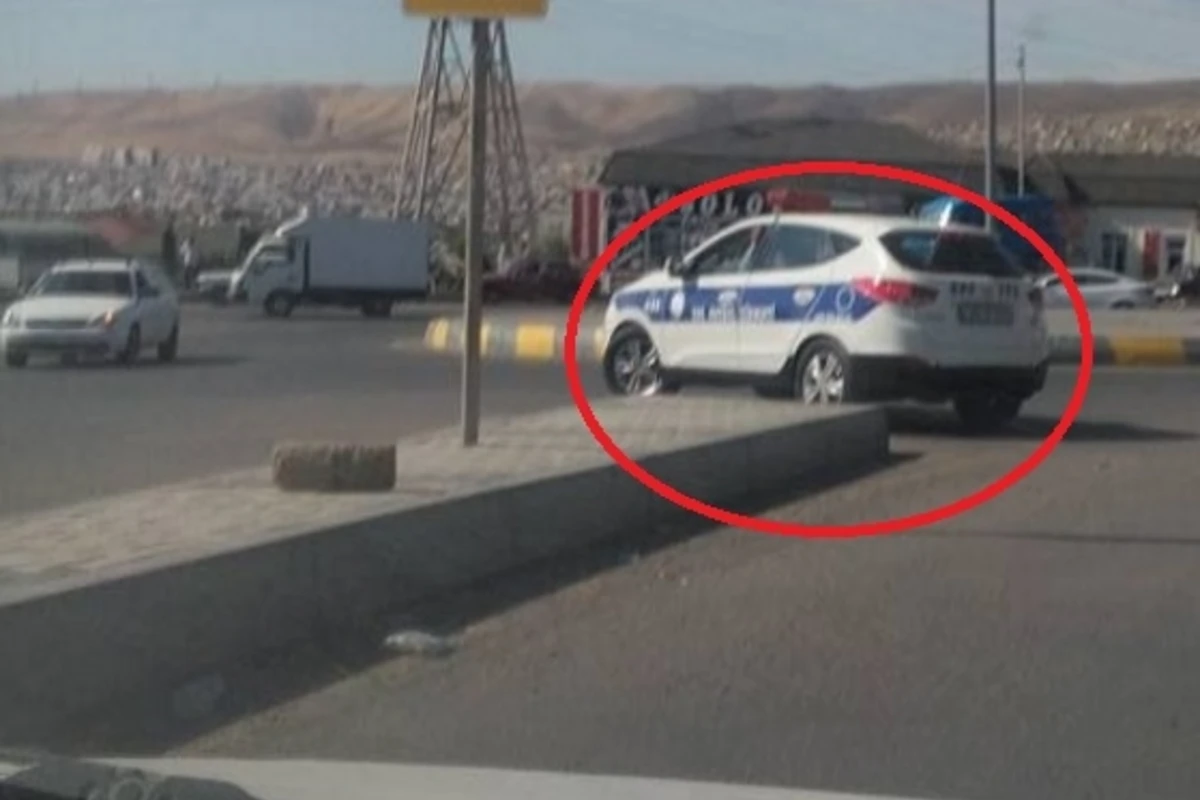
x,y
540,341
80,645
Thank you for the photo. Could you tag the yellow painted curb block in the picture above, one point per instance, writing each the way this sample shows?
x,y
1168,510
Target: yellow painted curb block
x,y
437,334
536,342
1144,350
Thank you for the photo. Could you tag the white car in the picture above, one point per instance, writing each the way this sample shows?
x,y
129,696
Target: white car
x,y
831,308
1101,288
111,308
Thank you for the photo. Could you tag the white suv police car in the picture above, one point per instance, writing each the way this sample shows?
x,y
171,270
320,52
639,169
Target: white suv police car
x,y
831,308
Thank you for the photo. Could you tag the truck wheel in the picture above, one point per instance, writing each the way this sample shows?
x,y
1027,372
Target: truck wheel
x,y
986,412
279,304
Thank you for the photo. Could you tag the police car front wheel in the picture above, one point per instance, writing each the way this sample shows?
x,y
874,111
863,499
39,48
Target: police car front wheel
x,y
632,366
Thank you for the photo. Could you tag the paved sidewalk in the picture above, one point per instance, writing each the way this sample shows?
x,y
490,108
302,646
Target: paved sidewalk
x,y
240,509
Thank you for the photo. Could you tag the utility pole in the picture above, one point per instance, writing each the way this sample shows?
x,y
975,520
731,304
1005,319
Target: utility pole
x,y
473,285
989,113
485,16
1021,120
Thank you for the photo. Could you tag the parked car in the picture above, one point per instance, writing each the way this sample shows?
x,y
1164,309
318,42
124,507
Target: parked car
x,y
1182,289
530,280
1101,288
213,285
837,308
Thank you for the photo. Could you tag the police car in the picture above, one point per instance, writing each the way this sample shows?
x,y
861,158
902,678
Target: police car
x,y
833,308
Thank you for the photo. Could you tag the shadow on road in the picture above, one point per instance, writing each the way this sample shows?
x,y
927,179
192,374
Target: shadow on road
x,y
273,678
148,364
1067,538
941,422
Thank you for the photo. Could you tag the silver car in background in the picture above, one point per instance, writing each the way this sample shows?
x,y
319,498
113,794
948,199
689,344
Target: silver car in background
x,y
1101,289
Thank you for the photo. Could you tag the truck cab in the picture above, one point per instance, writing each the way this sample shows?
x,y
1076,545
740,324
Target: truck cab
x,y
1036,211
270,266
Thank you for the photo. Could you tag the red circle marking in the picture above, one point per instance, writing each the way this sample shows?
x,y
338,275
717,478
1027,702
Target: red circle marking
x,y
778,527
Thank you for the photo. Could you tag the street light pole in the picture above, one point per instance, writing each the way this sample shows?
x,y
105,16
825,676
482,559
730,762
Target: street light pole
x,y
989,113
473,285
1021,120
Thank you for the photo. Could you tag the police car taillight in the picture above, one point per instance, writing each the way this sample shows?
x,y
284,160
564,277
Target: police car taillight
x,y
902,293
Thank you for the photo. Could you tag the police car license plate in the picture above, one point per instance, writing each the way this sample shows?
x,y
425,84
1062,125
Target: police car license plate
x,y
985,314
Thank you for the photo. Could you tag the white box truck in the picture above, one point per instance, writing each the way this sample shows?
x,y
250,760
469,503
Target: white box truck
x,y
355,262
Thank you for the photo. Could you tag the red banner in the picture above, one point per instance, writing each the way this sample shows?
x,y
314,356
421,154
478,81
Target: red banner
x,y
1151,251
796,200
587,224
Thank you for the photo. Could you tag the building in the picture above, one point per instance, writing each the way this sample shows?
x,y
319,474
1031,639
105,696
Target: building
x,y
635,179
28,247
1134,214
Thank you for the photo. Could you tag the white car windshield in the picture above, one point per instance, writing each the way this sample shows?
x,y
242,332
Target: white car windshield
x,y
116,284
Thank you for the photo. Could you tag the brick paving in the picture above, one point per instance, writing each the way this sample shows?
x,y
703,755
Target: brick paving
x,y
236,509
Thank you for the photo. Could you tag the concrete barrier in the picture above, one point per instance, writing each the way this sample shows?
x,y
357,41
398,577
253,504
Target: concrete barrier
x,y
324,467
274,572
514,339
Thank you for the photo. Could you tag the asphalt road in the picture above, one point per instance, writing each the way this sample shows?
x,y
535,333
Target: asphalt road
x,y
241,384
1043,646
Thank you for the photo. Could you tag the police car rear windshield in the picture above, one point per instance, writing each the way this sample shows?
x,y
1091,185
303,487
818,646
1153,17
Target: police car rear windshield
x,y
950,252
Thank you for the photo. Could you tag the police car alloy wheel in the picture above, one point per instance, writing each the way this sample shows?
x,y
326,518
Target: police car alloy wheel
x,y
822,374
632,366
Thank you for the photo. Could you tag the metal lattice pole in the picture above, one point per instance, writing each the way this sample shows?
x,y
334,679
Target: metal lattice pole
x,y
431,179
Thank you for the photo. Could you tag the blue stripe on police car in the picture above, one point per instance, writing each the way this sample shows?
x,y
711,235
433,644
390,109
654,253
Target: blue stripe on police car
x,y
754,304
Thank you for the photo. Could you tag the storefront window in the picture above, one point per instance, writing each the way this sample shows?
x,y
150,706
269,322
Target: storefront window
x,y
1114,247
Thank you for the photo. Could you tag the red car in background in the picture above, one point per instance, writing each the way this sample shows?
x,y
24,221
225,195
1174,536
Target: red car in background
x,y
530,280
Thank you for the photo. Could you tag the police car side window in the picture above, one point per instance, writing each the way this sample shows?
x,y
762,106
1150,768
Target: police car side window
x,y
842,243
723,257
792,246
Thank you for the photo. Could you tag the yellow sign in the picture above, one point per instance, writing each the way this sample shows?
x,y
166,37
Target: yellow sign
x,y
476,9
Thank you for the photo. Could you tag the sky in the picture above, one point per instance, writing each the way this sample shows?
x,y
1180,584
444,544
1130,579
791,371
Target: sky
x,y
61,44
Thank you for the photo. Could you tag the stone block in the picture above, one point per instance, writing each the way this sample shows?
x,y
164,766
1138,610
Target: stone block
x,y
299,467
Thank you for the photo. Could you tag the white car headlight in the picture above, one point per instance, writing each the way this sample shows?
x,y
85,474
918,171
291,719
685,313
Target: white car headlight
x,y
105,320
11,319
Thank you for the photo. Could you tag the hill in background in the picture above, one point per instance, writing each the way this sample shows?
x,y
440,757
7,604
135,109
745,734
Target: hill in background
x,y
361,122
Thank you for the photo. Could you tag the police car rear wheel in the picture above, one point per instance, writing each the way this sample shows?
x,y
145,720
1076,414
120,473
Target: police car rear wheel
x,y
822,374
632,368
